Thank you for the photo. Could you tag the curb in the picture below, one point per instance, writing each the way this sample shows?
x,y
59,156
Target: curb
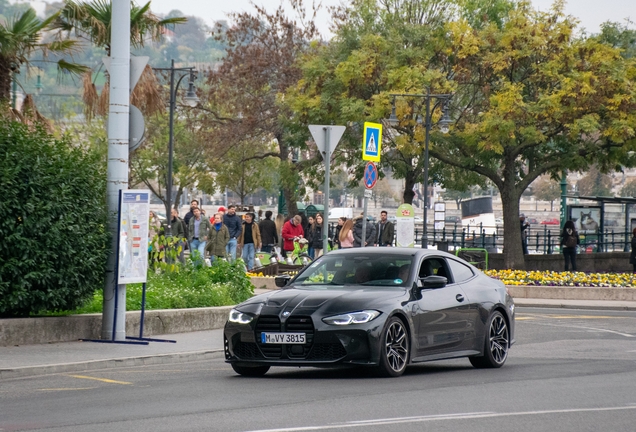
x,y
533,303
28,371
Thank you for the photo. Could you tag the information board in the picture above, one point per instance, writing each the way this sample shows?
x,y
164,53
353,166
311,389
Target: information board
x,y
134,212
405,217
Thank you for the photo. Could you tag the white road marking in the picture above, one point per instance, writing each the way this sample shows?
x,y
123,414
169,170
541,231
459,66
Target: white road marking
x,y
457,416
587,328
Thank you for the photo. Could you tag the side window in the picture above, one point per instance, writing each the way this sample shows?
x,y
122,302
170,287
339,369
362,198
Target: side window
x,y
460,271
434,267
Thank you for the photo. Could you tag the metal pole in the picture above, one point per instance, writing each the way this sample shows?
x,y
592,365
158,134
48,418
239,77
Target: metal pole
x,y
118,126
325,216
428,129
564,200
170,152
364,224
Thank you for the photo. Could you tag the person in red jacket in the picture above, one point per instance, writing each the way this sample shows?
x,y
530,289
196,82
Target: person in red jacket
x,y
292,231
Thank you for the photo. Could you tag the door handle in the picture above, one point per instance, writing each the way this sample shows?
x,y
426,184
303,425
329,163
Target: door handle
x,y
459,298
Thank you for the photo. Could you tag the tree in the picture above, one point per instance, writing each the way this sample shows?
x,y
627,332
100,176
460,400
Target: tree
x,y
245,92
92,21
192,156
25,35
242,175
457,196
533,99
546,189
620,36
595,183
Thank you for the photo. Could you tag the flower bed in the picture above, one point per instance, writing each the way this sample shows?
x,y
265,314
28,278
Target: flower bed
x,y
565,279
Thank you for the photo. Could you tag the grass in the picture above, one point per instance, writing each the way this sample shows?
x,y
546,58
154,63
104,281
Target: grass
x,y
189,286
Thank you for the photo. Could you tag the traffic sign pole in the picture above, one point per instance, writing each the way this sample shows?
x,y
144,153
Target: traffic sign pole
x,y
370,178
325,216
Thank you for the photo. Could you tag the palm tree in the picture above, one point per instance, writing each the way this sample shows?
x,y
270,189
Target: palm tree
x,y
92,21
23,36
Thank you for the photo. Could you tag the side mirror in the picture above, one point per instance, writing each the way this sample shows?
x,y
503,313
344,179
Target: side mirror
x,y
432,282
282,280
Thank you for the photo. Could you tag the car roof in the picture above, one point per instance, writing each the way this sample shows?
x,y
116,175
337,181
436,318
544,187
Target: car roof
x,y
418,252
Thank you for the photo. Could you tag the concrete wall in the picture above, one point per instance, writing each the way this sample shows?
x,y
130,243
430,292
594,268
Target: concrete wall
x,y
27,331
615,262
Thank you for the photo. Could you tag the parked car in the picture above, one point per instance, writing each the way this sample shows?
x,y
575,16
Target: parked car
x,y
552,221
380,308
532,221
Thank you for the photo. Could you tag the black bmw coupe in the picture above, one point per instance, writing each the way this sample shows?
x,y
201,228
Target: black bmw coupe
x,y
383,308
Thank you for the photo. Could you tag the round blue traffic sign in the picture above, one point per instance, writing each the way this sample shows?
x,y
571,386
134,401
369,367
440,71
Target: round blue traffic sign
x,y
370,175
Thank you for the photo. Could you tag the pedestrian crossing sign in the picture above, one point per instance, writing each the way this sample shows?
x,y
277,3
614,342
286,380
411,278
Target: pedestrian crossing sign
x,y
372,142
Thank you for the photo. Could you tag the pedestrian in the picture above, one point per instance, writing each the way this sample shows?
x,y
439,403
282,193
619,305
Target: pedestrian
x,y
193,204
249,240
336,237
525,232
370,232
219,236
346,235
569,242
178,234
308,235
154,230
292,232
386,230
198,233
316,241
280,222
632,255
269,233
234,225
222,210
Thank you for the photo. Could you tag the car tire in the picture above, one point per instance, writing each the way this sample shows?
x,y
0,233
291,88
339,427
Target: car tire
x,y
251,371
496,344
394,349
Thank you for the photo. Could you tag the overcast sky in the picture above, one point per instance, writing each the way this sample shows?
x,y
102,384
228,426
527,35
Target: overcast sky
x,y
590,12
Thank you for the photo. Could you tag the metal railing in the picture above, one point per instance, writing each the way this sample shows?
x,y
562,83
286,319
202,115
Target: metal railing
x,y
541,240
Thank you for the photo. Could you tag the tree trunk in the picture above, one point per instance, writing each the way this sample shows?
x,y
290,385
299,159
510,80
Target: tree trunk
x,y
5,79
513,250
409,183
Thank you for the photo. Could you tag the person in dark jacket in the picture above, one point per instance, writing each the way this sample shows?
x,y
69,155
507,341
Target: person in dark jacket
x,y
336,236
386,230
249,240
193,204
370,234
569,242
315,239
632,255
308,232
269,233
234,225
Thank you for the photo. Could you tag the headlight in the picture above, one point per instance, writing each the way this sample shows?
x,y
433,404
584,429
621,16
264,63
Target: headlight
x,y
352,318
240,317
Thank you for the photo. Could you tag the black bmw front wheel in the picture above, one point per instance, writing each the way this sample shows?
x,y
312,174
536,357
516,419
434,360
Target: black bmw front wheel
x,y
251,371
394,353
496,345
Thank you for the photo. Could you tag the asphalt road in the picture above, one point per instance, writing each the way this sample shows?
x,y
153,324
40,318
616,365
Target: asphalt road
x,y
569,371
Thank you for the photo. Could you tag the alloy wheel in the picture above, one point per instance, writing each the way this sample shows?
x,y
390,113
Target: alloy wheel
x,y
499,339
397,348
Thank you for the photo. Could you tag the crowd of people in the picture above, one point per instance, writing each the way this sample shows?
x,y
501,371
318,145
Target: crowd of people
x,y
226,234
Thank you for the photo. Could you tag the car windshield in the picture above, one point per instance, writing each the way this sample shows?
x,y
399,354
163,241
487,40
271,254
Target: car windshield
x,y
362,269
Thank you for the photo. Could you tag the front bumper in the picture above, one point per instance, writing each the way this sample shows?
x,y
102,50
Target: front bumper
x,y
326,345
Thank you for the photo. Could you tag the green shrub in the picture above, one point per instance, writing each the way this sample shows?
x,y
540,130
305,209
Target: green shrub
x,y
54,241
192,286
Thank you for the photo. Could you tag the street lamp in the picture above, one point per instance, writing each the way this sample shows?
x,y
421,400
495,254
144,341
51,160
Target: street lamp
x,y
443,123
191,100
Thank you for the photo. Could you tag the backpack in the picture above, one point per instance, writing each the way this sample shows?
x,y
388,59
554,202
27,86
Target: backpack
x,y
570,241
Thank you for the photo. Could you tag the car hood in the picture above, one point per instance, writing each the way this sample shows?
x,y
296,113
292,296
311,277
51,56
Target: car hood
x,y
309,300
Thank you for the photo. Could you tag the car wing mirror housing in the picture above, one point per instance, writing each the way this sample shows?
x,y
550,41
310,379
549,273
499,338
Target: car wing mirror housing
x,y
433,282
282,280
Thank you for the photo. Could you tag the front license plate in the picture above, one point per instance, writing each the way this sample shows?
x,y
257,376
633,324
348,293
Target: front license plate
x,y
283,338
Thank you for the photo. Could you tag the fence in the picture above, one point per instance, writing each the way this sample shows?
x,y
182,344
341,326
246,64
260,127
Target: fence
x,y
544,240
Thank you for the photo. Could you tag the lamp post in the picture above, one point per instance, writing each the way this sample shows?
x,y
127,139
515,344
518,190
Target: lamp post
x,y
444,123
192,100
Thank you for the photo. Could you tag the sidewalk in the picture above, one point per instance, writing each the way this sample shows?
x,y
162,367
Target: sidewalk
x,y
31,360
